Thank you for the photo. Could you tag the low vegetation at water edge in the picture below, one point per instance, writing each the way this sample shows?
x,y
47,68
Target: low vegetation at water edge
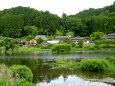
x,y
17,75
61,48
94,65
88,64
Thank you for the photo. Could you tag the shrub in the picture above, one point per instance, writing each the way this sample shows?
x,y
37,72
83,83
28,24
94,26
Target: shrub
x,y
39,40
38,46
80,43
112,60
45,47
2,83
89,46
65,40
105,41
27,37
94,65
97,46
22,71
61,48
23,83
104,46
96,36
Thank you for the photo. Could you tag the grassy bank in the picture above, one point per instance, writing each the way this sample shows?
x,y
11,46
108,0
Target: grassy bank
x,y
31,49
2,50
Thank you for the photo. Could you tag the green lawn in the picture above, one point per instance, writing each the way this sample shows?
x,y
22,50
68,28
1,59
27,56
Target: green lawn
x,y
31,49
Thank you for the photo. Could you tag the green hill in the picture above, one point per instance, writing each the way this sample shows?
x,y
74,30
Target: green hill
x,y
22,21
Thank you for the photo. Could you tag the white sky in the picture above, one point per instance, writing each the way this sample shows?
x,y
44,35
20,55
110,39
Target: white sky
x,y
57,6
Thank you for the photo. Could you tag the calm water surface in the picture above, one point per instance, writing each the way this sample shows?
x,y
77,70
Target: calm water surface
x,y
41,64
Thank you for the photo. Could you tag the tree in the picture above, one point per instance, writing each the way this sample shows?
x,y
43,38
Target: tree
x,y
96,36
61,48
64,15
30,30
11,25
39,40
75,25
70,33
80,43
9,44
59,33
65,40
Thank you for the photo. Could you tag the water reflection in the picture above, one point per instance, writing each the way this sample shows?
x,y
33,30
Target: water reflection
x,y
42,63
71,80
49,55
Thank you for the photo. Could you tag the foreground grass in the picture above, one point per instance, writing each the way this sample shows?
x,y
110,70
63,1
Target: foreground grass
x,y
17,76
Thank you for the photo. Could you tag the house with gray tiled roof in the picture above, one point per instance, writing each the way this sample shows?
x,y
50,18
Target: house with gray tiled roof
x,y
109,36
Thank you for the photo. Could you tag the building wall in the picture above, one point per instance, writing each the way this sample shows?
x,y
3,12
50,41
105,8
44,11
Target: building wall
x,y
33,41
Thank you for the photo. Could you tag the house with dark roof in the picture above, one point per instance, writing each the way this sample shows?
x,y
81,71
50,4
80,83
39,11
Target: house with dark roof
x,y
76,39
34,40
60,37
109,36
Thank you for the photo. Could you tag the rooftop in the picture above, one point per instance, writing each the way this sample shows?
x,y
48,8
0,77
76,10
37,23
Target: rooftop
x,y
78,38
59,37
109,36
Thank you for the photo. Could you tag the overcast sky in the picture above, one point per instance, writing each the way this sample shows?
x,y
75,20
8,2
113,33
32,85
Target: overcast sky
x,y
57,6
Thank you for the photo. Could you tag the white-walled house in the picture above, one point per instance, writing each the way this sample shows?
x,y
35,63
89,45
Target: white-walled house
x,y
53,42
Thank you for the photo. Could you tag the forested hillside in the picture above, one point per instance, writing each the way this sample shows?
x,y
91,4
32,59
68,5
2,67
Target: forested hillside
x,y
22,21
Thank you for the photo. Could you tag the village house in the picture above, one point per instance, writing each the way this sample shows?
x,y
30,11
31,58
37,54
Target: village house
x,y
53,42
109,36
76,39
34,40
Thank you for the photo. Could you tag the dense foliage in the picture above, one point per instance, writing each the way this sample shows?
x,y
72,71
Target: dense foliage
x,y
39,40
96,36
23,83
94,65
105,41
7,77
112,60
23,72
22,21
9,44
80,43
61,48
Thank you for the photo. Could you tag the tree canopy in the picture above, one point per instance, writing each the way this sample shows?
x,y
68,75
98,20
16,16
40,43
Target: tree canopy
x,y
15,21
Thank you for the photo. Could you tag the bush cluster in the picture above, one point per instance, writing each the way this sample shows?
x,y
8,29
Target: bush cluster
x,y
94,65
12,76
61,48
23,83
23,72
105,41
112,60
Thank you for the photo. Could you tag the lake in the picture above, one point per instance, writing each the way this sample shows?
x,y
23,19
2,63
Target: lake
x,y
42,62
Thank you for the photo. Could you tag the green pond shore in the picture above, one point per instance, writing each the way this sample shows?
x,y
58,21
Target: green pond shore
x,y
21,49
